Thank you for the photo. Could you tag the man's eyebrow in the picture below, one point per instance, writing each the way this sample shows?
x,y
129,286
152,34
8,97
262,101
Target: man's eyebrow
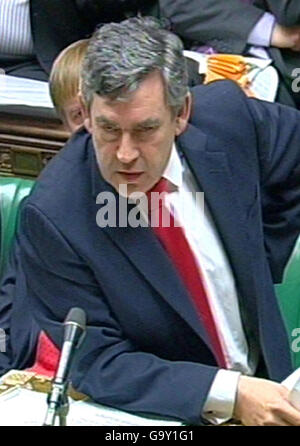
x,y
148,123
102,120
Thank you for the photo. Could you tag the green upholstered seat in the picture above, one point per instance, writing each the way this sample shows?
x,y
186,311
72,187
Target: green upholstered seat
x,y
288,293
12,192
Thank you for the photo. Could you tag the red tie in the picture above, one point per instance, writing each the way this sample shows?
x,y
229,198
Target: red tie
x,y
47,356
176,245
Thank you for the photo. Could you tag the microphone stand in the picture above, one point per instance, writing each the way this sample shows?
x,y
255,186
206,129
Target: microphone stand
x,y
58,404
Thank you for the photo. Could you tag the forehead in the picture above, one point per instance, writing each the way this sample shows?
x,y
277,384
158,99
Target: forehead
x,y
147,101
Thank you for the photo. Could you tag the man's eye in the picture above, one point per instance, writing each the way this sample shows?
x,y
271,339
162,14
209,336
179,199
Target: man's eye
x,y
110,129
77,116
144,130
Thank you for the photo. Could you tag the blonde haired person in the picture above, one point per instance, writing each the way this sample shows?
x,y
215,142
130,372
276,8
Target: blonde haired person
x,y
64,84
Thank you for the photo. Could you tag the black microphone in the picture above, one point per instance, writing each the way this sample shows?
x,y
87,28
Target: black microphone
x,y
74,331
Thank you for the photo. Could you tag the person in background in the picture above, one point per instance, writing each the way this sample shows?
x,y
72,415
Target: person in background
x,y
261,28
33,32
64,83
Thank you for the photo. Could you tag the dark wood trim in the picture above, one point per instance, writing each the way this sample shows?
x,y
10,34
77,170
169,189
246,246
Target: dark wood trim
x,y
28,143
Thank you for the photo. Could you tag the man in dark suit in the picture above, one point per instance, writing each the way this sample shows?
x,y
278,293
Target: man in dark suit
x,y
229,27
54,25
84,242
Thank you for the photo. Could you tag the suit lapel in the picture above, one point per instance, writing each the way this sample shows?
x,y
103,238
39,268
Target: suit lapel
x,y
144,251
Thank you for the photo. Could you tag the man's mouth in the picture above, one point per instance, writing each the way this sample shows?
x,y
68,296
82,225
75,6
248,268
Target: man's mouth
x,y
130,177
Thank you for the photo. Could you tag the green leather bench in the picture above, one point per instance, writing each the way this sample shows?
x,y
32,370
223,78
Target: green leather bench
x,y
12,192
288,293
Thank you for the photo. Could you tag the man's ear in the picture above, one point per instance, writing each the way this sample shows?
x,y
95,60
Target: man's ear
x,y
85,112
183,116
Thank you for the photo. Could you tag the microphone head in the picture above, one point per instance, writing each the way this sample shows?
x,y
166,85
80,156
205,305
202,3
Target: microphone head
x,y
74,326
76,316
74,333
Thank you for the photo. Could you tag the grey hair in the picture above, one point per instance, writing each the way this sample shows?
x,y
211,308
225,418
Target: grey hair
x,y
121,55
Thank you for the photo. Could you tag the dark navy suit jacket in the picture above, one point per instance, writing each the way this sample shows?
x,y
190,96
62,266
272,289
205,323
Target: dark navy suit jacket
x,y
55,24
145,349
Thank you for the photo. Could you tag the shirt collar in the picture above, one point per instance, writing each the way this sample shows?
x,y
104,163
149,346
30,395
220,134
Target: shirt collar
x,y
174,169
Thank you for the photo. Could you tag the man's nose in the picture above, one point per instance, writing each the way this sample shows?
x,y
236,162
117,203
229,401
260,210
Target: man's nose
x,y
127,150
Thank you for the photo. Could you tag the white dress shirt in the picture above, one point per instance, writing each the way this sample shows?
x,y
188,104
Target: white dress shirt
x,y
193,215
15,28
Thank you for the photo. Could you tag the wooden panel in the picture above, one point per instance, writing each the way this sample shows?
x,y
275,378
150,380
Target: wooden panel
x,y
28,143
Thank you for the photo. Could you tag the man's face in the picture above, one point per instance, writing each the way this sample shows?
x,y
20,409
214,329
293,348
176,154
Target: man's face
x,y
133,139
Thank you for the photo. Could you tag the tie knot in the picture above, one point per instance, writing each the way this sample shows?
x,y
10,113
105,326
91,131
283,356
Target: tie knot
x,y
156,194
157,210
163,185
